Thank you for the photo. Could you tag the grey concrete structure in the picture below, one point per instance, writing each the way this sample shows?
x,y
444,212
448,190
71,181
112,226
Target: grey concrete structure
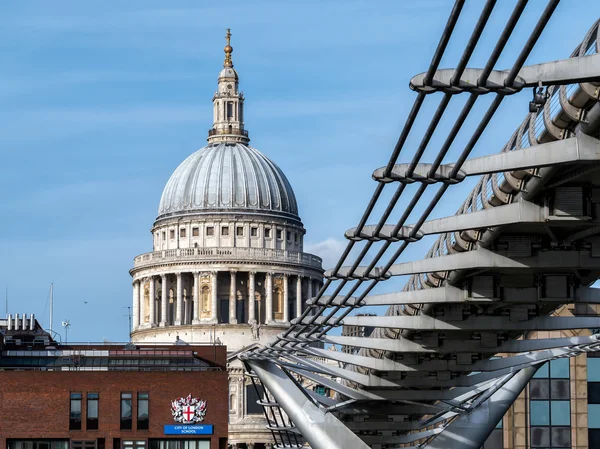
x,y
455,348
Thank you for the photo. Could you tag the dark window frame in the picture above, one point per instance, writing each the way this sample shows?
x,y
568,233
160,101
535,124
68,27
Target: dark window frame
x,y
74,423
210,230
91,423
252,408
126,423
83,444
143,423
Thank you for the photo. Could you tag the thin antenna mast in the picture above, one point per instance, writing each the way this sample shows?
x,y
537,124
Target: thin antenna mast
x,y
51,304
6,300
129,316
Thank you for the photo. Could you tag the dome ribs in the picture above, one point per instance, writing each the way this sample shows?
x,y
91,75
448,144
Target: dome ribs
x,y
231,177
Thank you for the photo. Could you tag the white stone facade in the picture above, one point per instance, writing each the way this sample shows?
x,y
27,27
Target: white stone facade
x,y
227,264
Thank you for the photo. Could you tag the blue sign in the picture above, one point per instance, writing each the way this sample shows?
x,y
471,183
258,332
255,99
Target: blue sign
x,y
188,429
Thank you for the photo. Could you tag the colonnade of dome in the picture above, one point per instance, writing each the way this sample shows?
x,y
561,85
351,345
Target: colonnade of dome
x,y
219,296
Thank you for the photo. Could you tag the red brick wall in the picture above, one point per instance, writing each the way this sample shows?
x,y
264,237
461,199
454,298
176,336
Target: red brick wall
x,y
35,404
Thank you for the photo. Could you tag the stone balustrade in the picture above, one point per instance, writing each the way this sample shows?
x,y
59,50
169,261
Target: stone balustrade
x,y
260,255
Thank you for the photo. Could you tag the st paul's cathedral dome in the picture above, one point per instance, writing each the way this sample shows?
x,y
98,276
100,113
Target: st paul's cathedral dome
x,y
227,263
227,177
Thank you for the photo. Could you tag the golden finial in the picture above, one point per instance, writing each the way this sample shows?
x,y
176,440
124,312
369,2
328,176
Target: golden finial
x,y
228,50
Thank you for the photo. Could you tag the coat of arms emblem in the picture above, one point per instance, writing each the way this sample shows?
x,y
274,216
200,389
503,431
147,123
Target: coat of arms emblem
x,y
188,410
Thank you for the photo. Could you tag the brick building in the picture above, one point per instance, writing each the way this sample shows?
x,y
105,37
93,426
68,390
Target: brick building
x,y
100,396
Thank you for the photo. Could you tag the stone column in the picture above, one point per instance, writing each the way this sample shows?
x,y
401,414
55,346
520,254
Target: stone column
x,y
136,306
179,306
286,317
196,318
142,302
186,308
213,293
151,301
164,299
251,301
269,298
299,296
232,298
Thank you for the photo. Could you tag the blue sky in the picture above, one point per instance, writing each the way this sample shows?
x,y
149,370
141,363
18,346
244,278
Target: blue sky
x,y
101,101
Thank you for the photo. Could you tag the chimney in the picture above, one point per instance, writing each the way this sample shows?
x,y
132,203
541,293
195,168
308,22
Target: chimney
x,y
17,321
32,322
10,322
24,321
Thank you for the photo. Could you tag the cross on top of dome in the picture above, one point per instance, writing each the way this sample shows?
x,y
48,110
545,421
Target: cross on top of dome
x,y
228,50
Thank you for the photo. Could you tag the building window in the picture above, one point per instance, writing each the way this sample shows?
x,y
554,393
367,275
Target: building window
x,y
182,232
92,411
126,411
195,232
279,234
268,232
229,109
550,406
593,394
75,412
252,406
172,234
183,444
87,444
133,444
210,230
224,230
37,444
295,237
322,390
239,231
289,236
143,417
164,235
253,231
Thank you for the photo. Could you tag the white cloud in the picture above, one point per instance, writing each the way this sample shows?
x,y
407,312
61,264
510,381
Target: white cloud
x,y
329,250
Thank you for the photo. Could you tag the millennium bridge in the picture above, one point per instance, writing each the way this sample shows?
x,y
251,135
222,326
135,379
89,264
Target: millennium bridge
x,y
456,346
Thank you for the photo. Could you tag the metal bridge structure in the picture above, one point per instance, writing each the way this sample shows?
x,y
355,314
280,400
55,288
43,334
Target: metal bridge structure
x,y
456,345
